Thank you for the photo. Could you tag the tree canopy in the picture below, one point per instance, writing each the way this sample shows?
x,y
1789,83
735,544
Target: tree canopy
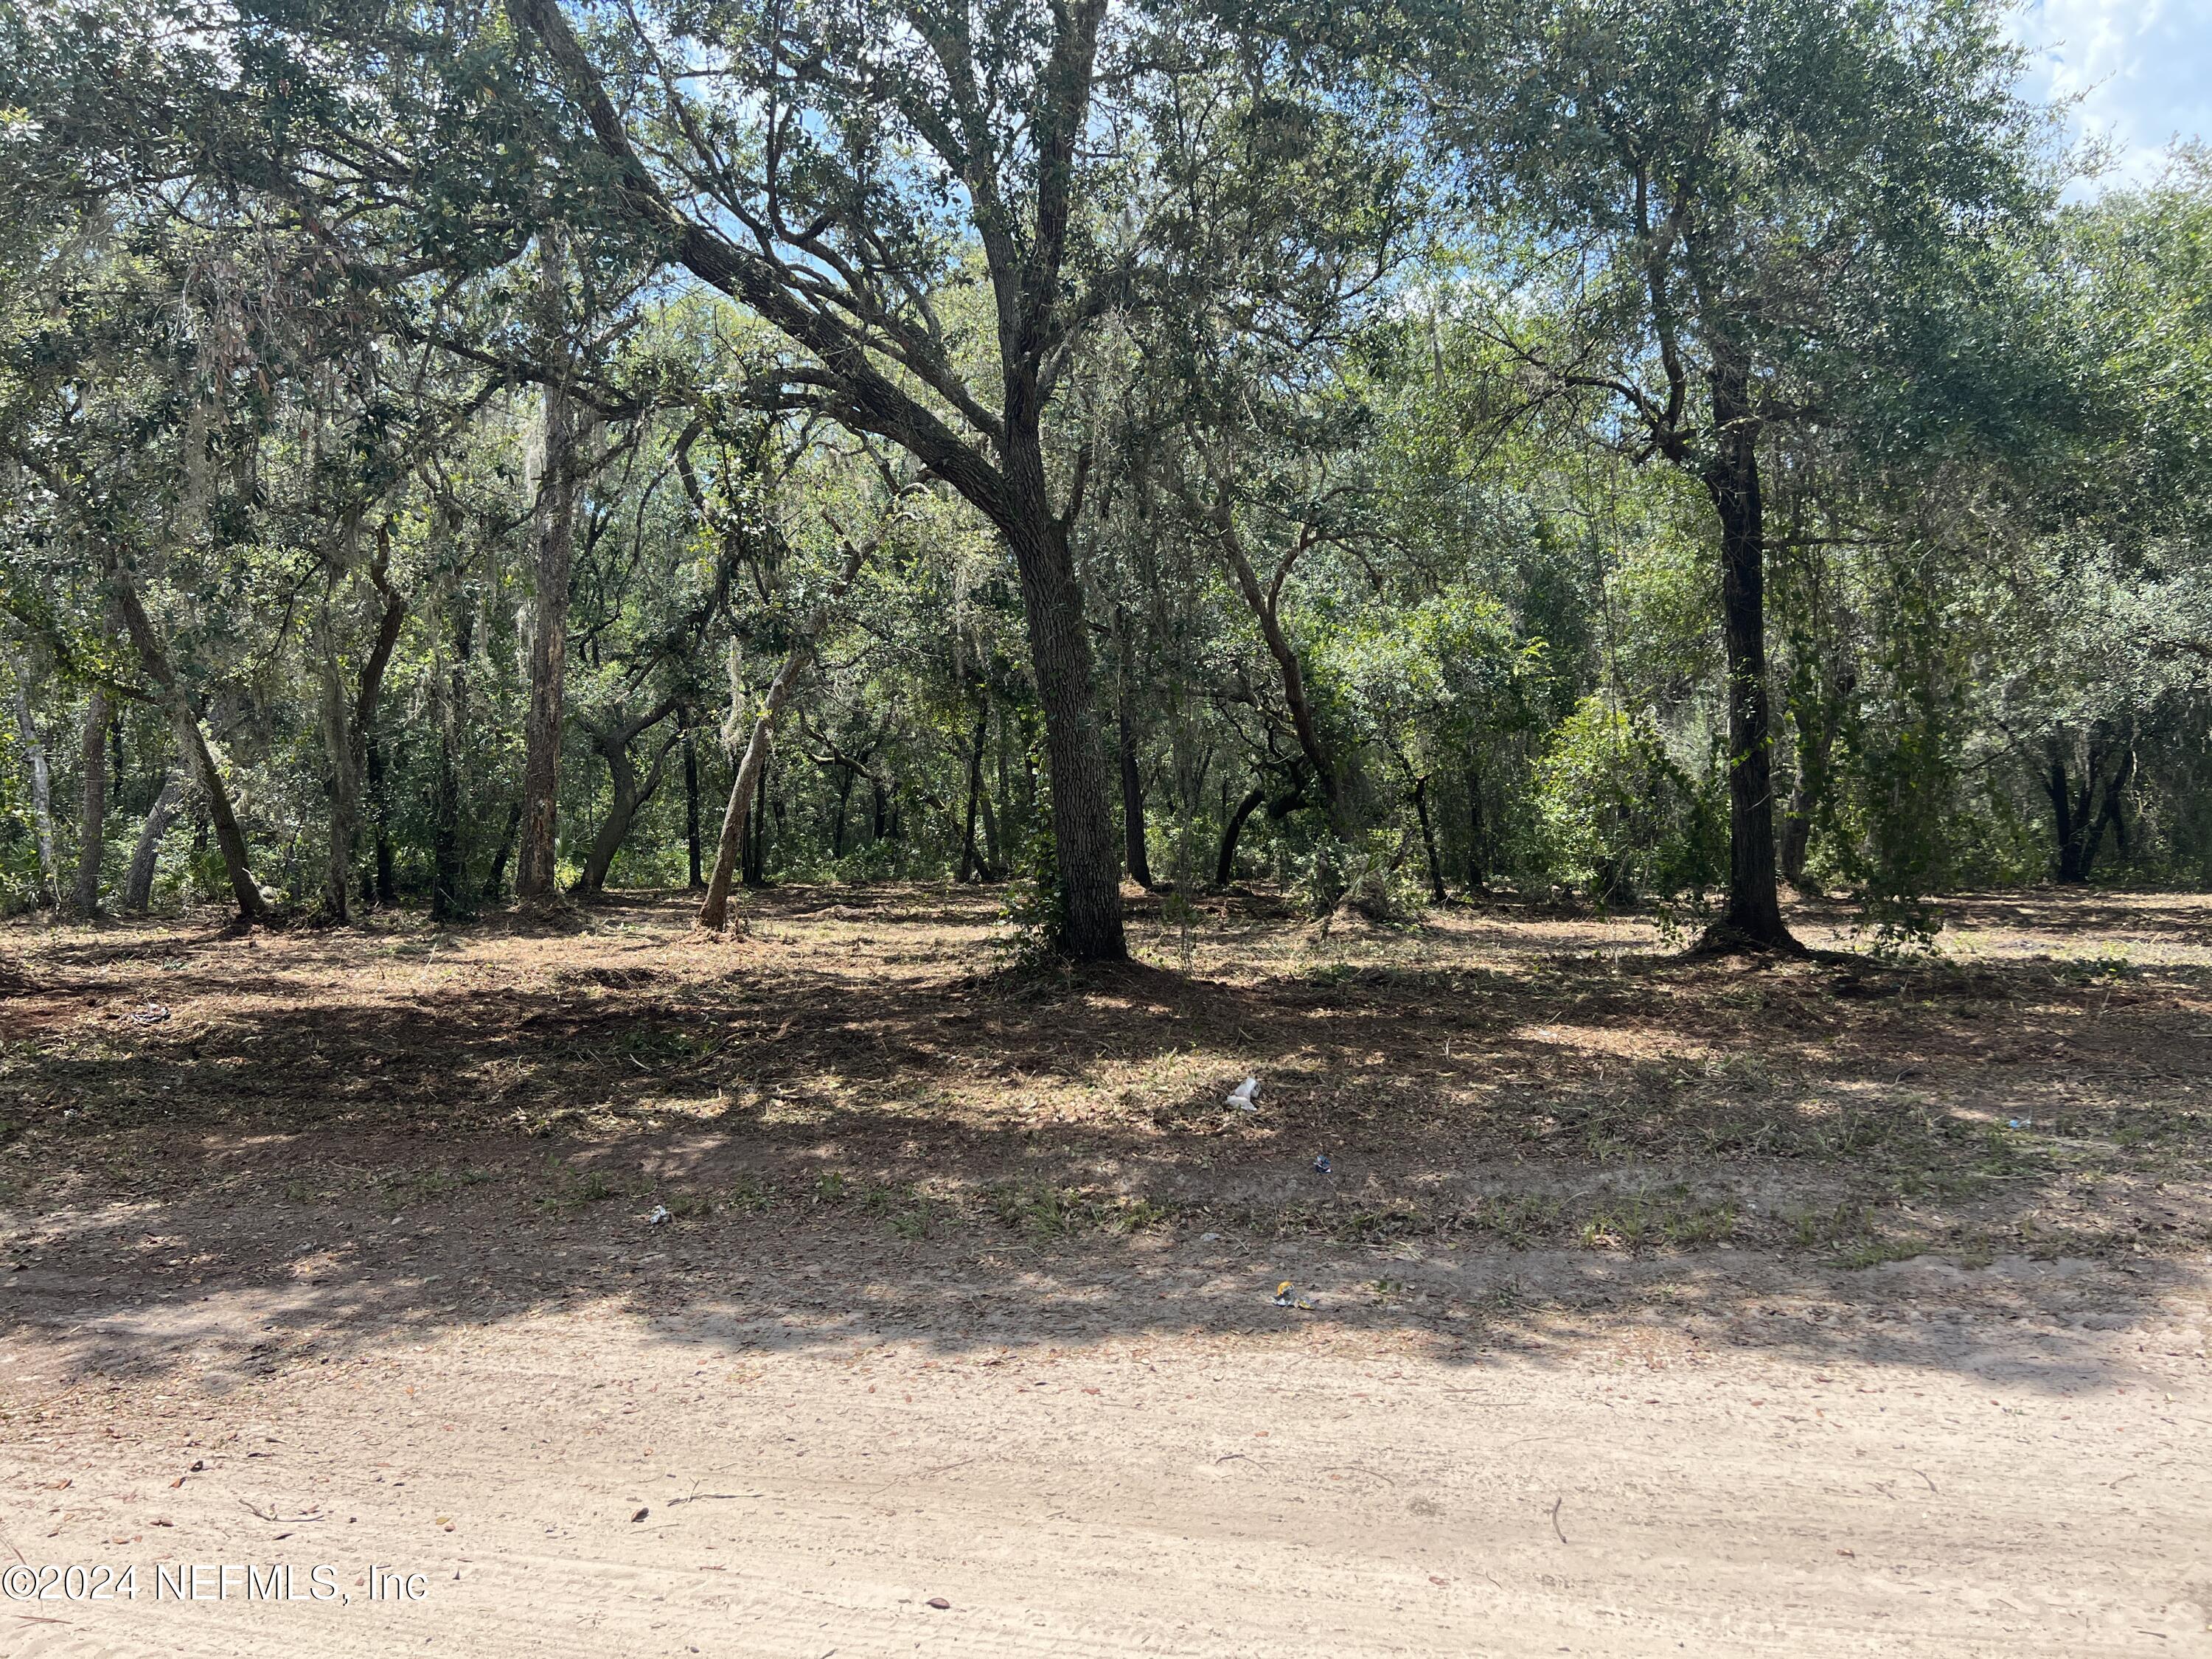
x,y
1618,452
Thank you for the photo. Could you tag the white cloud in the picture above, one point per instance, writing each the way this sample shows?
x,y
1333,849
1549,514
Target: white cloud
x,y
2141,70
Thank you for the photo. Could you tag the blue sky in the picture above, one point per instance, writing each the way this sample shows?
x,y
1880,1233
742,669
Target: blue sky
x,y
2143,69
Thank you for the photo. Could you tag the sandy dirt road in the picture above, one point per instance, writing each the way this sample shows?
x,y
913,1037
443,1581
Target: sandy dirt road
x,y
1107,1453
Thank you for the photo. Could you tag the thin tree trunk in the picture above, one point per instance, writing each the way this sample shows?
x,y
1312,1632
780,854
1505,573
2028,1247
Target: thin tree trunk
x,y
1754,915
1132,800
92,819
968,855
42,787
698,879
1428,840
844,804
1224,866
385,887
138,885
192,741
714,909
1816,743
555,523
1265,606
994,862
2079,817
343,786
448,864
505,851
753,864
347,725
1478,836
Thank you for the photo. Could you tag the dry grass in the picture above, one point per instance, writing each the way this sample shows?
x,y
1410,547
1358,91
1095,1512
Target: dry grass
x,y
1498,1080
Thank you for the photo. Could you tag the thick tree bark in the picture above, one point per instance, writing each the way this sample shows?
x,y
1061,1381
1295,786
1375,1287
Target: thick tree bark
x,y
1753,914
92,816
714,908
42,787
139,885
1225,864
1090,865
555,527
192,741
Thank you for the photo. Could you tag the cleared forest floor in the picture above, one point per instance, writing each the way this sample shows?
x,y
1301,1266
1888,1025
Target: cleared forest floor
x,y
1814,1307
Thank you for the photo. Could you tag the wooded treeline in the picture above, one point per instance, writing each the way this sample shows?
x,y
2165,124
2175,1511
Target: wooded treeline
x,y
459,452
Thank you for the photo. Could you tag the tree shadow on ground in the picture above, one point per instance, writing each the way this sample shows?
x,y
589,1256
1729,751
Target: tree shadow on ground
x,y
859,1133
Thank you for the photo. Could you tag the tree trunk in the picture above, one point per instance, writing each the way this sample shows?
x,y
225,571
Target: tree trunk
x,y
622,772
138,885
691,800
347,724
505,852
1132,800
629,794
555,525
342,785
967,853
753,860
42,787
1224,866
844,804
714,909
448,863
1026,278
1816,743
1477,833
1060,652
1804,800
92,818
1754,915
1263,606
1428,840
192,741
384,888
2079,817
994,862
